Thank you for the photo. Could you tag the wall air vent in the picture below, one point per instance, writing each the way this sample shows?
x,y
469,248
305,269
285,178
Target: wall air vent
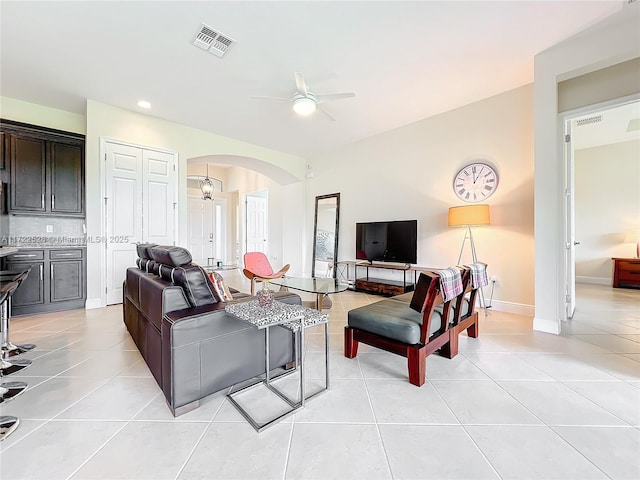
x,y
589,120
212,41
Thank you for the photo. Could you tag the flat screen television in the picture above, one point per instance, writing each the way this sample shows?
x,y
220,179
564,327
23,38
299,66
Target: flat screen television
x,y
387,241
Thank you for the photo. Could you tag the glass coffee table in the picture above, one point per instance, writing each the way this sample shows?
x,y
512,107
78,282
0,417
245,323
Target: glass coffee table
x,y
322,287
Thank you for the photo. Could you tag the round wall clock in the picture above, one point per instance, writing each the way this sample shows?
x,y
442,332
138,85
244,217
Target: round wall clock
x,y
475,182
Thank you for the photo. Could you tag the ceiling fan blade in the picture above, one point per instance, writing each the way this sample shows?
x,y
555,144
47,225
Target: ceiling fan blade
x,y
260,97
331,117
334,96
300,83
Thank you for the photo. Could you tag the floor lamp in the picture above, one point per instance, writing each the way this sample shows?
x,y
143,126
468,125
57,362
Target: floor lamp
x,y
466,216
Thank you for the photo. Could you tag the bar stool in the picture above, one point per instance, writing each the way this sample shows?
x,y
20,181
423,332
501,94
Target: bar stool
x,y
9,349
7,426
7,289
10,390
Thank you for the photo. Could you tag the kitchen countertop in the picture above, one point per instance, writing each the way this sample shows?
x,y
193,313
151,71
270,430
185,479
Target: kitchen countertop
x,y
4,251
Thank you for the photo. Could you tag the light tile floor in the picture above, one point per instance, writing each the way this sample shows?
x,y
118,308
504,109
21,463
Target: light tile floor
x,y
513,404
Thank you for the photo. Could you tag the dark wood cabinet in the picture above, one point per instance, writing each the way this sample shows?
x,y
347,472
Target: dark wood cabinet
x,y
31,291
56,280
626,272
2,149
67,280
384,286
28,174
66,163
46,171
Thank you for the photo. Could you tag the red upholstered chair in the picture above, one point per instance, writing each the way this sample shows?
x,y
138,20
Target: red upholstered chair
x,y
257,269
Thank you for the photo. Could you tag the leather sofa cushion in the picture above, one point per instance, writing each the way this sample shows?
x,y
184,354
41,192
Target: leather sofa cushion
x,y
143,250
194,281
171,256
392,319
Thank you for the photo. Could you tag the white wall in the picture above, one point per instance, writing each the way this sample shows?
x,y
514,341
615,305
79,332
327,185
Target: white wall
x,y
407,174
607,207
613,41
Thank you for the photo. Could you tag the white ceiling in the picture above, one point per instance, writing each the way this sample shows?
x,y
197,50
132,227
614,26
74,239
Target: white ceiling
x,y
611,125
404,60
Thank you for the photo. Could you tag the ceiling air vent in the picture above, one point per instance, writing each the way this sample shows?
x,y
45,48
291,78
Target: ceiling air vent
x,y
589,120
212,41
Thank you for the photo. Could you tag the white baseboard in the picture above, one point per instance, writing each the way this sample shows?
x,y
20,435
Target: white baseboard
x,y
510,307
546,325
594,280
93,303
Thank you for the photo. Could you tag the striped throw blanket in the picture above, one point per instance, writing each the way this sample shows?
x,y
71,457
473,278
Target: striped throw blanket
x,y
450,283
478,275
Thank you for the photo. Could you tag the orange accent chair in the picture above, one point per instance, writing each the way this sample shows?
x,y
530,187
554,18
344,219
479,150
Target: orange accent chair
x,y
257,269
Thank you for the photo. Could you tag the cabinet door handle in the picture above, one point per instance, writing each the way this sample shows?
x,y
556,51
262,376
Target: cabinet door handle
x,y
43,200
51,272
64,254
24,255
41,273
53,202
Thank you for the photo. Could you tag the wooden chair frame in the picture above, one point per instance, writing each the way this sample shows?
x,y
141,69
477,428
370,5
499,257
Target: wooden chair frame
x,y
429,295
469,322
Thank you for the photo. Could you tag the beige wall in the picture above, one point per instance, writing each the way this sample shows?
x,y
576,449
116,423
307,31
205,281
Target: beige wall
x,y
607,207
408,173
19,111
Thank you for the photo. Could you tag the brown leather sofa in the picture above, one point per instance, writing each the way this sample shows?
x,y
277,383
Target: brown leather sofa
x,y
178,322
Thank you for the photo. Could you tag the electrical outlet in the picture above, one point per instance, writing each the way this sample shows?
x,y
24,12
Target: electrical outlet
x,y
49,228
494,279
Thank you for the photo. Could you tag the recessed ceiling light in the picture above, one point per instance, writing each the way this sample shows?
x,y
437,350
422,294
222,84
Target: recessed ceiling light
x,y
144,104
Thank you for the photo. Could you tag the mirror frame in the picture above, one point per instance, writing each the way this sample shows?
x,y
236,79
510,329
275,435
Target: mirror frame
x,y
315,233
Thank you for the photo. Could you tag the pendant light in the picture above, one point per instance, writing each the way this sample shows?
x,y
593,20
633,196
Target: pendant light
x,y
206,186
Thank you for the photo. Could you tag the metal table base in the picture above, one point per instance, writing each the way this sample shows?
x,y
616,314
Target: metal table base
x,y
298,327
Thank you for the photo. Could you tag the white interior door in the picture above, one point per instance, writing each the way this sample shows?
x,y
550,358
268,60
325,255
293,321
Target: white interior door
x,y
158,197
123,214
139,207
257,224
570,232
201,229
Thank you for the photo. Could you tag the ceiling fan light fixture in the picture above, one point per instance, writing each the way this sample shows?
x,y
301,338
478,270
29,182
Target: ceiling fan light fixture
x,y
304,106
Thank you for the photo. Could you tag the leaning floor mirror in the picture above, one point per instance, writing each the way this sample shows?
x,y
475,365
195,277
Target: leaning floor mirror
x,y
325,236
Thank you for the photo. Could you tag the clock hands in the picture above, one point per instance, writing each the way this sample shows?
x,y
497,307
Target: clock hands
x,y
476,178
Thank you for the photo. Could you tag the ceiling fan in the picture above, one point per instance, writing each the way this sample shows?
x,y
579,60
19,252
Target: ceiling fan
x,y
304,102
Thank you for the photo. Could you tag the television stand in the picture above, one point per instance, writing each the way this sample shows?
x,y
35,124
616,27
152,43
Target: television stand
x,y
384,286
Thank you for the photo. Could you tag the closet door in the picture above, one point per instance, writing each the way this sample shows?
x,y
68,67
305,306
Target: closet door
x,y
140,207
124,181
158,197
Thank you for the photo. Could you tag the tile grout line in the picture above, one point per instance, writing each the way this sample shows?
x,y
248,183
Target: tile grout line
x,y
375,420
495,470
290,442
97,450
